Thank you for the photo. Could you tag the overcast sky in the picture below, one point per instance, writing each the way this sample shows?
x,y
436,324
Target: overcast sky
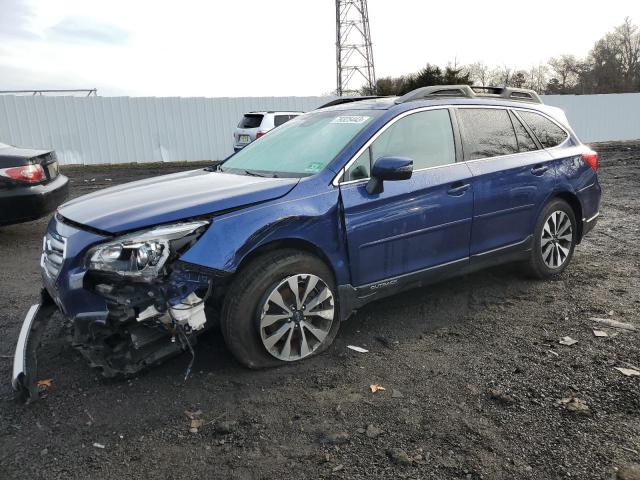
x,y
277,47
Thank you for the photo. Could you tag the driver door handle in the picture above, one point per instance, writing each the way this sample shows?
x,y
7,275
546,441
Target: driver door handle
x,y
539,169
458,188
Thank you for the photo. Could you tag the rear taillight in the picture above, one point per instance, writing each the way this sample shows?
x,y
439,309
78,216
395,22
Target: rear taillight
x,y
26,173
259,134
591,159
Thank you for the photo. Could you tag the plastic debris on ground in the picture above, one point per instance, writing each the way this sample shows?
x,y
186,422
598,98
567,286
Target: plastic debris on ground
x,y
629,472
376,388
568,341
575,404
98,445
614,323
501,396
357,349
600,333
196,423
399,456
629,372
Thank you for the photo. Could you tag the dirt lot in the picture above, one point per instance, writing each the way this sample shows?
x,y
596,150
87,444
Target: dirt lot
x,y
472,368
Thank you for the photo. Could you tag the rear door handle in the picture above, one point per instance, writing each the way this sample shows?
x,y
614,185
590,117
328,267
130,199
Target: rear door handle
x,y
539,169
458,188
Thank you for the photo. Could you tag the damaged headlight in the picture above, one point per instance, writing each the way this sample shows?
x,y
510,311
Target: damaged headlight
x,y
143,254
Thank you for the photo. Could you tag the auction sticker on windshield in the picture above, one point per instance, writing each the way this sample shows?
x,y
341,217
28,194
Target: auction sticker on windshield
x,y
350,119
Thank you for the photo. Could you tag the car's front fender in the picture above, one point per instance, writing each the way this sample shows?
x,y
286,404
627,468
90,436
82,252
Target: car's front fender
x,y
314,219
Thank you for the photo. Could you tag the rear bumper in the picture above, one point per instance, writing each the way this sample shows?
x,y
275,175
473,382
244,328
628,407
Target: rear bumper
x,y
22,204
589,223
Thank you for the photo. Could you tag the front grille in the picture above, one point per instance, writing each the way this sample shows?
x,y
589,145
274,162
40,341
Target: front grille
x,y
53,252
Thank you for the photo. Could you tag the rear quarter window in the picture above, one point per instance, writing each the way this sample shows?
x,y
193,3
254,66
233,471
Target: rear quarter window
x,y
251,120
549,134
525,142
486,132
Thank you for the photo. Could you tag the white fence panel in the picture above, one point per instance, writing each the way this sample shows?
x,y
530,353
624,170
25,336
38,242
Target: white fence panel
x,y
601,118
98,130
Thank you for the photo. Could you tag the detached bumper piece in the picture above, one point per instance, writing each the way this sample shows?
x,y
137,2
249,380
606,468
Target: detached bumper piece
x,y
25,361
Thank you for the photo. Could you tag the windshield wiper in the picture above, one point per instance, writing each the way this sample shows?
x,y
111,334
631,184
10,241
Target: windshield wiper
x,y
253,173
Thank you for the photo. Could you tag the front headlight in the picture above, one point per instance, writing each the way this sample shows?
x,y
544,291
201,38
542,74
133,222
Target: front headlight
x,y
144,254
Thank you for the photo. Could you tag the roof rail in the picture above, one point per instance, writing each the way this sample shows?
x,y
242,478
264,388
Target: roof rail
x,y
466,91
510,93
341,100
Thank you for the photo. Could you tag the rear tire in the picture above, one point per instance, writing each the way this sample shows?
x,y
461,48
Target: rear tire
x,y
266,324
554,240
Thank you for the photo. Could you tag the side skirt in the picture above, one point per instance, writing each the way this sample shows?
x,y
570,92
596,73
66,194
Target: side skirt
x,y
353,298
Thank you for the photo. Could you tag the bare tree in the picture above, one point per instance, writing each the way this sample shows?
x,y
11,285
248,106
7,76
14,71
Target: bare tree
x,y
612,66
565,70
479,73
518,79
614,61
500,76
628,40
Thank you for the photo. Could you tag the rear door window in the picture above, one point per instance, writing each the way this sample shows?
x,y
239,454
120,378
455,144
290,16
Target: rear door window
x,y
280,119
251,120
549,134
486,132
525,142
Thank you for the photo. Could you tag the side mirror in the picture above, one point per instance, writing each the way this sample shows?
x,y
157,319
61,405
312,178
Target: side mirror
x,y
389,169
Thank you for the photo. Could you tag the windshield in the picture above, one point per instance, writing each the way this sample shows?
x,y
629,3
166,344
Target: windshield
x,y
301,147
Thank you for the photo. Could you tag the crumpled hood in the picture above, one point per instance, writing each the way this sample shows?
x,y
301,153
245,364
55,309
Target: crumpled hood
x,y
170,198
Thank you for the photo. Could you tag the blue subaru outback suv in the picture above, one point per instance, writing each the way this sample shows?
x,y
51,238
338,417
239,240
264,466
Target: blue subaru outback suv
x,y
288,237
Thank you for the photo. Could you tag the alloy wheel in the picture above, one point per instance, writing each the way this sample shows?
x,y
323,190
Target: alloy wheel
x,y
297,317
557,237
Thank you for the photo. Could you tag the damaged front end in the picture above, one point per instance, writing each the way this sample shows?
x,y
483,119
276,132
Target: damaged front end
x,y
130,300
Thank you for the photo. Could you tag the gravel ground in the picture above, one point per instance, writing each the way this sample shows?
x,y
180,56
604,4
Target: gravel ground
x,y
472,368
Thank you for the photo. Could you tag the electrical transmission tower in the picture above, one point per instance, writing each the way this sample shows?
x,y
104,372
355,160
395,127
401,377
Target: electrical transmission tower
x,y
354,55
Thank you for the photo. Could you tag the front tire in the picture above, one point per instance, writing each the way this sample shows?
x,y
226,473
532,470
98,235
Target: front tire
x,y
554,240
280,308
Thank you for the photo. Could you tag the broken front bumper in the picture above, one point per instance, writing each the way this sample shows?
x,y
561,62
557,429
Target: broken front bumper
x,y
25,362
119,325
